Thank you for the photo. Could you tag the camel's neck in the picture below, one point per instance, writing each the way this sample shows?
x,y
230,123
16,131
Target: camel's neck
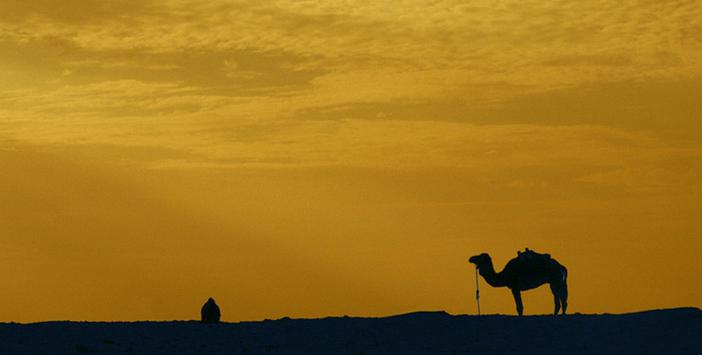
x,y
487,271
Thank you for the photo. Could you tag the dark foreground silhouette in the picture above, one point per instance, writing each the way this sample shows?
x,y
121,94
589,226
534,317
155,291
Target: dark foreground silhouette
x,y
674,331
527,271
210,312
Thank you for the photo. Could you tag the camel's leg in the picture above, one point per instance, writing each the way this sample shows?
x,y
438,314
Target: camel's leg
x,y
518,301
563,295
556,299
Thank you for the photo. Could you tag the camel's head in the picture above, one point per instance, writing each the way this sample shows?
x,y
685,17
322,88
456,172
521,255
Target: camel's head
x,y
480,260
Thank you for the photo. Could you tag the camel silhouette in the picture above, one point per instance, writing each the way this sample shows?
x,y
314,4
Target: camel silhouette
x,y
527,271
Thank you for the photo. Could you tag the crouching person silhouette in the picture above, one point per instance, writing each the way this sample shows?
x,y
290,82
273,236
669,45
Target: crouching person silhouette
x,y
210,312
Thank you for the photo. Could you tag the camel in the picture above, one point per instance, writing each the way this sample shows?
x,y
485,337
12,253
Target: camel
x,y
527,271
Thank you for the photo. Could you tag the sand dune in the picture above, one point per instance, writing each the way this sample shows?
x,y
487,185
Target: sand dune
x,y
671,331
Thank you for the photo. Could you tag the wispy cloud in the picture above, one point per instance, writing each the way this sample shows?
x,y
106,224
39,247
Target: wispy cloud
x,y
331,83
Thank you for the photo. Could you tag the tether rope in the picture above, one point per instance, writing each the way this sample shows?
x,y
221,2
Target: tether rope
x,y
477,289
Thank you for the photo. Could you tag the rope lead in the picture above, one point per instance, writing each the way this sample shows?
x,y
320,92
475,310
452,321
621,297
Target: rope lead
x,y
477,290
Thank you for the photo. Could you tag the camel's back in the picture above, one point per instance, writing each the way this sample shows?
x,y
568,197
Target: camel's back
x,y
527,273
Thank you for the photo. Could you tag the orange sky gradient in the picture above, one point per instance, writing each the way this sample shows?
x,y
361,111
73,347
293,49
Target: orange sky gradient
x,y
315,158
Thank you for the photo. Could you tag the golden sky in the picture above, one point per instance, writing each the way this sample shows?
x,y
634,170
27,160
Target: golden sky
x,y
312,158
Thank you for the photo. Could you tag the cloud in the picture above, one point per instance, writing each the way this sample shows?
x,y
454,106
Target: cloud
x,y
417,33
71,11
590,60
310,83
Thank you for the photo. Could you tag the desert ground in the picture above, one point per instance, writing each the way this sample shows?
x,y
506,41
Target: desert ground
x,y
670,331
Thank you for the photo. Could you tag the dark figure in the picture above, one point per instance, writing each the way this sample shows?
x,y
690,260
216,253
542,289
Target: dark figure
x,y
527,271
529,254
210,312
